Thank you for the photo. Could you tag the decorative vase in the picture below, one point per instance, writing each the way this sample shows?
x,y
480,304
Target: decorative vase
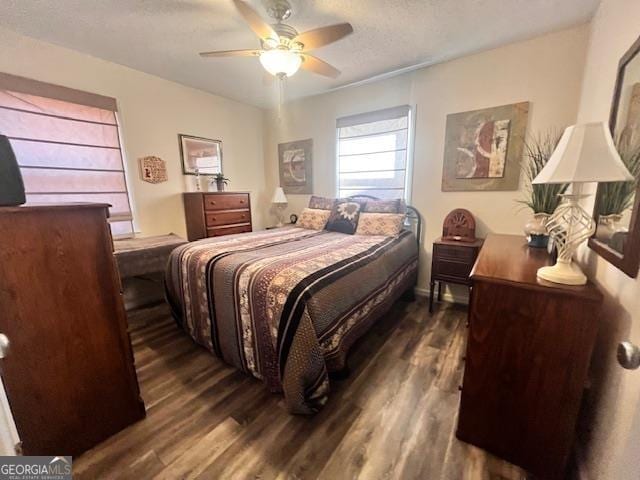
x,y
212,186
220,185
536,231
608,225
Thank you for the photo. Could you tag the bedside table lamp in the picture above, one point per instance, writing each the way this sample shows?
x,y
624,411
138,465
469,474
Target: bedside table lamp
x,y
280,201
585,153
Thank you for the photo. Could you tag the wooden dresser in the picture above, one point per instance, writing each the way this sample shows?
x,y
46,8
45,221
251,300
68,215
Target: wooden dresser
x,y
212,214
69,374
528,352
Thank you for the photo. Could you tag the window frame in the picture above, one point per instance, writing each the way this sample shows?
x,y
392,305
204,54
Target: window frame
x,y
26,86
408,180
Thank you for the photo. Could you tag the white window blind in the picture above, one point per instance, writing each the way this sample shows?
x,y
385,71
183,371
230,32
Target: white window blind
x,y
373,153
67,151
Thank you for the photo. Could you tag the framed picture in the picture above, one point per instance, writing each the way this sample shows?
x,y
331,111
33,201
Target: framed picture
x,y
295,164
483,148
199,153
153,169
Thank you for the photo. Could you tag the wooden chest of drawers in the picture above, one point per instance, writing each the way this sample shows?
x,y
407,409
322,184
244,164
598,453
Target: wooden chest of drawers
x,y
528,352
212,214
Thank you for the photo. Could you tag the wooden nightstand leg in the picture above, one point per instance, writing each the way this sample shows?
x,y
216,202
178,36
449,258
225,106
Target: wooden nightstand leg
x,y
439,291
431,288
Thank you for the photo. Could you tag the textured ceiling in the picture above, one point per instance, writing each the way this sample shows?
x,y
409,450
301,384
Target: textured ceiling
x,y
163,37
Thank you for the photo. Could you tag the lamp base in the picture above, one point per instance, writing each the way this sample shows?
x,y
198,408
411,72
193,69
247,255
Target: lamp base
x,y
567,273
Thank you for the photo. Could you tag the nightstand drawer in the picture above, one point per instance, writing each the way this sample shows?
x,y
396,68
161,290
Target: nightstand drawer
x,y
455,252
232,201
451,270
227,218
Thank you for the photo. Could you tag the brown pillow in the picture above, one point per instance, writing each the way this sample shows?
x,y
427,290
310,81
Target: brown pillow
x,y
313,218
387,224
321,203
344,217
383,206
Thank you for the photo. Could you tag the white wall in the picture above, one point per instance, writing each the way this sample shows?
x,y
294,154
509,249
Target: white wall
x,y
614,405
152,112
547,71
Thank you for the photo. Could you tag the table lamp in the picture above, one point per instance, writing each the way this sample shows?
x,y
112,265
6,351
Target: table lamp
x,y
280,201
585,153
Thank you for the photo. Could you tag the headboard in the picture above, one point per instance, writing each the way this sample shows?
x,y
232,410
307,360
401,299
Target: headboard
x,y
414,219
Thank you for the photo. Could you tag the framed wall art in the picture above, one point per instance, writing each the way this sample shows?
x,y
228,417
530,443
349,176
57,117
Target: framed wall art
x,y
153,169
199,153
483,148
295,165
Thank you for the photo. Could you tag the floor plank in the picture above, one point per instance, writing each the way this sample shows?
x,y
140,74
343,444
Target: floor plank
x,y
394,417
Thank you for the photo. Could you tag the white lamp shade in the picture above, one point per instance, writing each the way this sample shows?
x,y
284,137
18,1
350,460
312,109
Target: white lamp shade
x,y
279,196
585,153
279,61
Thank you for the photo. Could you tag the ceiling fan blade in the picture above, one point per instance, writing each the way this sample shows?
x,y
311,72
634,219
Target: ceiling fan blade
x,y
322,36
262,29
231,53
315,65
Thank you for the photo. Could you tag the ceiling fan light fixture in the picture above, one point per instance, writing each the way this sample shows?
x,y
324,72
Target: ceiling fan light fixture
x,y
280,61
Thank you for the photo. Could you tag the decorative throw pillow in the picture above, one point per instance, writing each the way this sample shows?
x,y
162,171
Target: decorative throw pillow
x,y
344,217
383,206
387,224
313,218
322,203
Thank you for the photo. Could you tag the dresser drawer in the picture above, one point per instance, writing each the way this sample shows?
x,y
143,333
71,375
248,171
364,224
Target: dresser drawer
x,y
220,231
226,202
215,219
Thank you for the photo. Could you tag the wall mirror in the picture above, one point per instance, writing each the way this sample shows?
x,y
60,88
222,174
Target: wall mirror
x,y
617,206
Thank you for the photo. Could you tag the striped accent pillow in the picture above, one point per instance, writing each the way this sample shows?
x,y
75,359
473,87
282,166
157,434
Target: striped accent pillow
x,y
321,203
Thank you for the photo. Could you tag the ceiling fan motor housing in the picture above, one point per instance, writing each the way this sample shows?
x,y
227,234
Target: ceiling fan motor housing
x,y
278,9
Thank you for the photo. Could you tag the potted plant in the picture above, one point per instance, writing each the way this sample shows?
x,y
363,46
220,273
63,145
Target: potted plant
x,y
541,199
220,180
614,198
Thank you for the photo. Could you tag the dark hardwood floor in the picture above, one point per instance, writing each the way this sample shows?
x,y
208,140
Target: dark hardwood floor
x,y
394,417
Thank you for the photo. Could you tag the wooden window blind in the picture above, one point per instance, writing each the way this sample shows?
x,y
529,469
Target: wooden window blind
x,y
67,151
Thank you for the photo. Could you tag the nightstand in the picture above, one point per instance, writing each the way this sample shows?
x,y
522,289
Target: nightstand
x,y
452,263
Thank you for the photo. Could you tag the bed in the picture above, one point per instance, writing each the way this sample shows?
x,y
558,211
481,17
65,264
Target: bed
x,y
285,305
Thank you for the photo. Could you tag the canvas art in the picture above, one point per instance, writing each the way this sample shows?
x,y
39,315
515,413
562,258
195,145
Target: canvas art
x,y
483,148
153,170
295,165
201,154
630,134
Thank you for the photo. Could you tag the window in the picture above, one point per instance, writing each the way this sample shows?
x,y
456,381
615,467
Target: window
x,y
67,144
373,153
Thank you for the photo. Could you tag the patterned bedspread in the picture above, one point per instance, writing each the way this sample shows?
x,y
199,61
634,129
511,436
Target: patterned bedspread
x,y
286,304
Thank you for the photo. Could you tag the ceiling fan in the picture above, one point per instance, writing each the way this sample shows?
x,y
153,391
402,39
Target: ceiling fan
x,y
283,50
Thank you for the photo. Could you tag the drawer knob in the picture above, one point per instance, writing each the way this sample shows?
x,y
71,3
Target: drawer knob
x,y
213,203
241,201
628,355
214,218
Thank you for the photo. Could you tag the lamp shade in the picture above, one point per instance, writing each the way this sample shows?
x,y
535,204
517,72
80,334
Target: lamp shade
x,y
585,153
279,196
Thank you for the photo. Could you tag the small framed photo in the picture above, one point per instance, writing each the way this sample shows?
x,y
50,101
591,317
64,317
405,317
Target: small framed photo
x,y
201,154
